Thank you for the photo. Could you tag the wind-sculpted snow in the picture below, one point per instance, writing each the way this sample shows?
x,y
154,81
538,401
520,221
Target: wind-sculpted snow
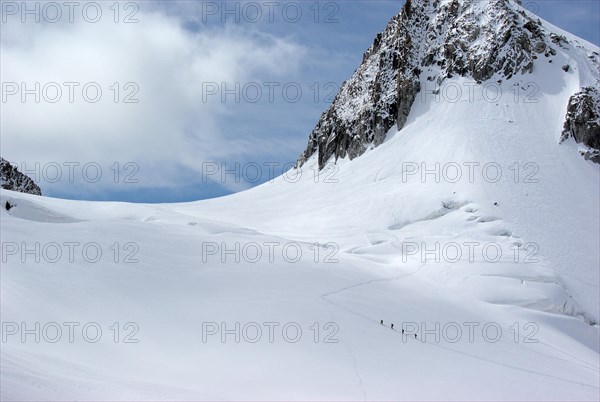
x,y
428,42
468,320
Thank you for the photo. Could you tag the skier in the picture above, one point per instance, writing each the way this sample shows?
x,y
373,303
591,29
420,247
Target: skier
x,y
415,336
392,326
402,331
381,322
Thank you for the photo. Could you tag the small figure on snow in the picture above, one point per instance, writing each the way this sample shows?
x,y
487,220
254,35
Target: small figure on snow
x,y
392,326
495,204
415,336
381,322
8,206
402,331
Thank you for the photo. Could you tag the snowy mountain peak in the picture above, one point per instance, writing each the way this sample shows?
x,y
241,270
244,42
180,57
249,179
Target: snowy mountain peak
x,y
426,43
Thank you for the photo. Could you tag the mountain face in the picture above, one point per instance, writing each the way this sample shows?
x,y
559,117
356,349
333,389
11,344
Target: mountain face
x,y
430,41
12,179
583,122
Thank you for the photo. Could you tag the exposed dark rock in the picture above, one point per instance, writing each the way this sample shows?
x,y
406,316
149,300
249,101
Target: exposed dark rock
x,y
12,179
582,122
539,47
592,155
558,39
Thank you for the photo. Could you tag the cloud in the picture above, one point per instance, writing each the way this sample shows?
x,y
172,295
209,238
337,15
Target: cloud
x,y
156,61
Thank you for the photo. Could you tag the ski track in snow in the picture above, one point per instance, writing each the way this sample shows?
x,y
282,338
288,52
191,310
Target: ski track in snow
x,y
580,362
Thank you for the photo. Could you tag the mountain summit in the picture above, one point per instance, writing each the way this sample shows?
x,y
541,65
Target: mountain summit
x,y
431,41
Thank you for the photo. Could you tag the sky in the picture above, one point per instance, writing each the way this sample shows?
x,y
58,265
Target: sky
x,y
175,101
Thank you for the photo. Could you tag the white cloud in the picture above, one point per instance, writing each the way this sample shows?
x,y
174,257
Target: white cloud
x,y
170,125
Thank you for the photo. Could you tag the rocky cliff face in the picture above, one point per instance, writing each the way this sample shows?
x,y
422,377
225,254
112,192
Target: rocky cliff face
x,y
12,179
428,42
582,122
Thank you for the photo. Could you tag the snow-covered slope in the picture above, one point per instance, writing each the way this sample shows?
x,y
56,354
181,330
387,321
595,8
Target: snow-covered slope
x,y
500,236
370,217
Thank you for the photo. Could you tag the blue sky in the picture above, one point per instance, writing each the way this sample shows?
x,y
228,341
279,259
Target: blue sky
x,y
182,136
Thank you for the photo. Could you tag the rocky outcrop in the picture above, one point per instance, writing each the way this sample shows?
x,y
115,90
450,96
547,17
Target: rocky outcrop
x,y
378,95
427,42
12,179
582,122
